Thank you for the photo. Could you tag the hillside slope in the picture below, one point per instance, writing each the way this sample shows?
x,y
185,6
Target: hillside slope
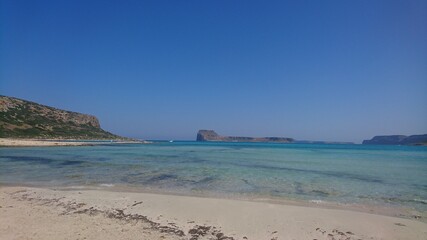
x,y
25,119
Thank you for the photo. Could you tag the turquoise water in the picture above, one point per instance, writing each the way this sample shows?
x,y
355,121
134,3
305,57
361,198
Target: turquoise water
x,y
384,175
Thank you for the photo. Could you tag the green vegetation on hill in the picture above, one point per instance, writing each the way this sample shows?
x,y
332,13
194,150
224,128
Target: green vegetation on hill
x,y
24,119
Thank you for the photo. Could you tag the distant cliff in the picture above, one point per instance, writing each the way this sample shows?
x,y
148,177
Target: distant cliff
x,y
210,135
398,140
24,119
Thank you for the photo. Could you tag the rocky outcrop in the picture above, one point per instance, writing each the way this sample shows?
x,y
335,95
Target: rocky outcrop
x,y
207,135
211,135
25,119
398,140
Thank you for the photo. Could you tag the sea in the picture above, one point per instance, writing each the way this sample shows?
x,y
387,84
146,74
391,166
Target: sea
x,y
375,175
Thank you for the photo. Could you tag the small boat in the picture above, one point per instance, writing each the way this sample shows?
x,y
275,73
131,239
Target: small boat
x,y
171,141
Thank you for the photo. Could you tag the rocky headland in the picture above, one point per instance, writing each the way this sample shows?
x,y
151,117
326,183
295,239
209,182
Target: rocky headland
x,y
21,119
398,140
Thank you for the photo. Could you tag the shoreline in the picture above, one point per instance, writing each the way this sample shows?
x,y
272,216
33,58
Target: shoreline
x,y
16,142
387,210
190,217
377,209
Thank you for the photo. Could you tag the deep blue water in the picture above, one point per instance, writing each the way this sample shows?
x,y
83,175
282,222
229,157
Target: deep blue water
x,y
385,175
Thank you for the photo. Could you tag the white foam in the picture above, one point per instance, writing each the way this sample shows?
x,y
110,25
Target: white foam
x,y
421,201
106,185
77,187
316,201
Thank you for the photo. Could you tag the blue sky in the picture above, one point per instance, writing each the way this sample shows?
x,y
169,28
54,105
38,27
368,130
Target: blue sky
x,y
317,70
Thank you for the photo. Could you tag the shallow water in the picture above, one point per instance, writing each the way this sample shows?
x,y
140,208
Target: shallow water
x,y
360,174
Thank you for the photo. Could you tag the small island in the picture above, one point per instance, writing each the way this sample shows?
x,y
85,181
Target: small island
x,y
211,135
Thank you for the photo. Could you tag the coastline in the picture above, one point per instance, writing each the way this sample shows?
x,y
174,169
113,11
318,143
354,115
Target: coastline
x,y
371,208
15,142
55,214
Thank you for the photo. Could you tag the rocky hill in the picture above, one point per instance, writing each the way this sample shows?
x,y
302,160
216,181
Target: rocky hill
x,y
210,135
398,140
25,119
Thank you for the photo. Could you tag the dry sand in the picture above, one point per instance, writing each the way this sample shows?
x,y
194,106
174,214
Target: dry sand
x,y
36,213
11,142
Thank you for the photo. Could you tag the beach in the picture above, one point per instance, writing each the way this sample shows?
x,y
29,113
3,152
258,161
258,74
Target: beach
x,y
13,142
213,120
49,213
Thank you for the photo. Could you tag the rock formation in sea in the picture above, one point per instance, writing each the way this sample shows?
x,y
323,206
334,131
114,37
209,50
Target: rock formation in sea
x,y
211,135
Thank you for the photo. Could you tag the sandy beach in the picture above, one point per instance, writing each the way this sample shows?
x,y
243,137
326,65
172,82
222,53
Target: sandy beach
x,y
41,213
11,142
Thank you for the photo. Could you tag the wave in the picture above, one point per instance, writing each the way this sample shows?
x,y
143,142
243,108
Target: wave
x,y
106,185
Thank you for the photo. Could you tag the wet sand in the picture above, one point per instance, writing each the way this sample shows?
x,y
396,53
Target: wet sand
x,y
41,213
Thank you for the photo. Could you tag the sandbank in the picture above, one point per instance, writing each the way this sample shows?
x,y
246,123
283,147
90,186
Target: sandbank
x,y
12,142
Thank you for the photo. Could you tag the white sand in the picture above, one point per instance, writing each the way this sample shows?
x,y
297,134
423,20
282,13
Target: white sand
x,y
35,213
11,142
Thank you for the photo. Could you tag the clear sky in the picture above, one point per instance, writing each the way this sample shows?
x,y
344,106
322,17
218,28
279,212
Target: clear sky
x,y
315,70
